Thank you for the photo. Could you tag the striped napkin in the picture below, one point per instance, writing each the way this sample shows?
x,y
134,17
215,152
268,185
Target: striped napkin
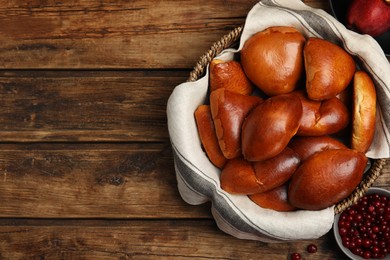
x,y
198,179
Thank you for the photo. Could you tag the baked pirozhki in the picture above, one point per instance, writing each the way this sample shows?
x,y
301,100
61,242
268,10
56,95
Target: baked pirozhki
x,y
298,140
273,60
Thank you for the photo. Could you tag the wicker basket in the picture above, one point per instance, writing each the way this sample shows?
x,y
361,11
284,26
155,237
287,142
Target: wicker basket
x,y
230,40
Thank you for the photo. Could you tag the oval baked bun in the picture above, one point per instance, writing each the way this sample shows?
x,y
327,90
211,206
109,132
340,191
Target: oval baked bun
x,y
269,127
364,112
229,111
273,60
329,68
326,178
208,137
229,75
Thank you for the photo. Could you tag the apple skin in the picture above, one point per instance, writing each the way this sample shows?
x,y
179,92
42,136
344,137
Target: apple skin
x,y
369,16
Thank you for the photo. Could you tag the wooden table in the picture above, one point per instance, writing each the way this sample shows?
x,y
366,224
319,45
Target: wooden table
x,y
86,167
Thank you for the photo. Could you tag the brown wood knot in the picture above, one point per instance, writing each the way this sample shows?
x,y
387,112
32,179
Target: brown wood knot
x,y
111,180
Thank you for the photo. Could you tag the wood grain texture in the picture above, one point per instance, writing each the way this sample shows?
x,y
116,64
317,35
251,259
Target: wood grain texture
x,y
95,181
113,34
85,105
165,239
91,181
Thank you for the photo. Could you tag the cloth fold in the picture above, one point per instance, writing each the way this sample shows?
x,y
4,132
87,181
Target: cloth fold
x,y
198,179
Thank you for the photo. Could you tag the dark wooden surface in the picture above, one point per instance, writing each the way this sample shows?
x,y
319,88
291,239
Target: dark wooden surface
x,y
86,167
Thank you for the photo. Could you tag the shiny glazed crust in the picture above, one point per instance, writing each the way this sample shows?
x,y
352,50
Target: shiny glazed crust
x,y
364,112
329,69
326,178
272,59
206,130
229,75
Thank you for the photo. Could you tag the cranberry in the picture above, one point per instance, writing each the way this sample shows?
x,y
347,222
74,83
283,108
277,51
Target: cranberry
x,y
296,256
375,249
357,251
343,231
376,203
382,244
346,243
358,241
366,242
311,248
366,255
375,229
358,217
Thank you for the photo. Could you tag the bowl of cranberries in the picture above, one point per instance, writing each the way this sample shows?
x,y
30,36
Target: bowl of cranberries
x,y
362,231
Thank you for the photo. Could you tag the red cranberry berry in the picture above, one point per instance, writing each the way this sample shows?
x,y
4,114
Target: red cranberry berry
x,y
311,248
367,255
366,243
343,232
296,256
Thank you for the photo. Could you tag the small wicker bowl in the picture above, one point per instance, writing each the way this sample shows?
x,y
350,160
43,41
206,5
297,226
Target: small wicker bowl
x,y
231,39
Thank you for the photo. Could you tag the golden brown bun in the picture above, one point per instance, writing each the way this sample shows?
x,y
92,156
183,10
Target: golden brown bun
x,y
238,177
326,178
229,110
364,112
322,117
274,172
242,177
229,75
329,69
269,127
272,59
208,137
309,145
276,199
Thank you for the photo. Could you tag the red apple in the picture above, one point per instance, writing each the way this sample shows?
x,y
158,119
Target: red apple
x,y
369,16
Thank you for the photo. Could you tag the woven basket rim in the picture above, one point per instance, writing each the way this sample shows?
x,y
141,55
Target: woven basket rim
x,y
232,38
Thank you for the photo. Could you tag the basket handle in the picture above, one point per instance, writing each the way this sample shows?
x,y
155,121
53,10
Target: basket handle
x,y
225,42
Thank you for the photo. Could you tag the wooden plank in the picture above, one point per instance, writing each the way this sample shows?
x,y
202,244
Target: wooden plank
x,y
113,34
85,105
119,34
384,179
167,239
91,181
95,181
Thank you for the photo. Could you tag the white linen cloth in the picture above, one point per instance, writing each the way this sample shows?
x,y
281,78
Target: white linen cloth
x,y
198,179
